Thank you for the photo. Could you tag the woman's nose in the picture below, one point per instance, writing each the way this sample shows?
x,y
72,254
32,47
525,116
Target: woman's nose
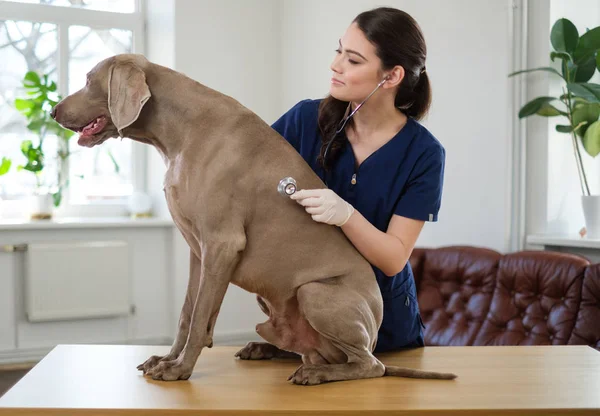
x,y
335,67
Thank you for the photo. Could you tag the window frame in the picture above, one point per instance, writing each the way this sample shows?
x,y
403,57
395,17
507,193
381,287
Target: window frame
x,y
64,17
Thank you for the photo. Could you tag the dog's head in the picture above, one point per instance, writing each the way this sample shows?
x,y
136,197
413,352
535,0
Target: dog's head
x,y
112,99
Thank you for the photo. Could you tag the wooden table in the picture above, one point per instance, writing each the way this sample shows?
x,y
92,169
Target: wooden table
x,y
103,380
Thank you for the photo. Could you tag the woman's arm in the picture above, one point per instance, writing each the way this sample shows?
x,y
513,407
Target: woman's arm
x,y
388,251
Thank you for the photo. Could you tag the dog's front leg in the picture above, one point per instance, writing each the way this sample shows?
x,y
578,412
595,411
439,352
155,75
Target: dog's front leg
x,y
219,260
185,317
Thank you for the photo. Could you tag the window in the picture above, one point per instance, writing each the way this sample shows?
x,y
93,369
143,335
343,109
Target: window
x,y
65,39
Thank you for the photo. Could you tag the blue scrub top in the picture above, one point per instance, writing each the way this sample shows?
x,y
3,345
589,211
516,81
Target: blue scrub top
x,y
403,177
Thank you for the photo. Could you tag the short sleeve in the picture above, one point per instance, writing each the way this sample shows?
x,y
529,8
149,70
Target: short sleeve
x,y
290,126
422,196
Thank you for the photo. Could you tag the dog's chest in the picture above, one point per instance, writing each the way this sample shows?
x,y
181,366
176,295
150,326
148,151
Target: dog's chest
x,y
178,207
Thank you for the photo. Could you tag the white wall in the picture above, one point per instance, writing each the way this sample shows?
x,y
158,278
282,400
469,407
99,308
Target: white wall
x,y
270,54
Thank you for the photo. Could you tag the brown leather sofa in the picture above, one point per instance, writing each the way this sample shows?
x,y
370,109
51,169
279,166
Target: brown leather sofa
x,y
477,296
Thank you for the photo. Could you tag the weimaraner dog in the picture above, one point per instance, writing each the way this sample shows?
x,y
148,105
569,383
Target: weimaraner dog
x,y
224,165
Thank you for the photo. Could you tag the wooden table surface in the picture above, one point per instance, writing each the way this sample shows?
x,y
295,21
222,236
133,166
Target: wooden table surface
x,y
103,380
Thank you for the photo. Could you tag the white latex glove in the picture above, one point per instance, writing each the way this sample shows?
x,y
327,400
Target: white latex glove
x,y
324,205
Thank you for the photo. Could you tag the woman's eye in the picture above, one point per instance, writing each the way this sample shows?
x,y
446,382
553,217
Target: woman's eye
x,y
353,62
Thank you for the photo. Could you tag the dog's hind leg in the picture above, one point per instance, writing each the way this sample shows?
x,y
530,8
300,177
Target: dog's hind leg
x,y
263,350
347,326
185,317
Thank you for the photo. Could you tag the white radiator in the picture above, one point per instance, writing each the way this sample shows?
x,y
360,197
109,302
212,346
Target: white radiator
x,y
75,280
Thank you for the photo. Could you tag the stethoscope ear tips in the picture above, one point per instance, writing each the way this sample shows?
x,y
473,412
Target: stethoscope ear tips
x,y
287,186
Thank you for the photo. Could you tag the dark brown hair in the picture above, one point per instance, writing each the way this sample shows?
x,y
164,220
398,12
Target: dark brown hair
x,y
398,40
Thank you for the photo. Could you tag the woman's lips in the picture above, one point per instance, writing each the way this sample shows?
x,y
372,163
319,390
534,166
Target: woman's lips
x,y
336,82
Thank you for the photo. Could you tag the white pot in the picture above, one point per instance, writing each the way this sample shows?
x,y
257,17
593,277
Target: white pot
x,y
591,212
41,206
140,205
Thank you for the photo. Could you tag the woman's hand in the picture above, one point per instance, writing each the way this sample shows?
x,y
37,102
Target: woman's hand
x,y
324,205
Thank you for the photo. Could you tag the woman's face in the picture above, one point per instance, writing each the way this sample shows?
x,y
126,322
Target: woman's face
x,y
356,68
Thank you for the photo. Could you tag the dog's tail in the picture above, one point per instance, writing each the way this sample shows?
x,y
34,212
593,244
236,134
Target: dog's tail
x,y
409,372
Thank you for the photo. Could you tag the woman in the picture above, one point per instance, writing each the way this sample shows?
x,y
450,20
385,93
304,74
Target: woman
x,y
384,170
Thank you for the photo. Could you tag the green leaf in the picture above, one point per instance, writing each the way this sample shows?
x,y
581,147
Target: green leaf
x,y
114,161
5,166
25,146
545,68
24,105
598,60
564,36
548,110
562,55
588,91
585,70
52,86
33,167
588,113
588,44
591,140
32,78
57,197
534,106
563,129
36,125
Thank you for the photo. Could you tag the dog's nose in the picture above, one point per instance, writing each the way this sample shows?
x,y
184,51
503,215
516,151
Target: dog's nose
x,y
53,112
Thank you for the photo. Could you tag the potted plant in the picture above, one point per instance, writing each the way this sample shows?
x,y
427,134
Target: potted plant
x,y
36,107
579,103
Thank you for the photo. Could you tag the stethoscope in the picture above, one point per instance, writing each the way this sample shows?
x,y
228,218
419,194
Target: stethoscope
x,y
288,186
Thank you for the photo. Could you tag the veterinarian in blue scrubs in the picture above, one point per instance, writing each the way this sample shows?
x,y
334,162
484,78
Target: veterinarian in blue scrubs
x,y
384,170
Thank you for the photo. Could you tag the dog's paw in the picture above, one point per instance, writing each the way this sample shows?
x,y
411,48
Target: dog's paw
x,y
171,371
257,351
153,361
308,375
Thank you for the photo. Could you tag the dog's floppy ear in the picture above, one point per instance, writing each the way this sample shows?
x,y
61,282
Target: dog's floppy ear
x,y
127,94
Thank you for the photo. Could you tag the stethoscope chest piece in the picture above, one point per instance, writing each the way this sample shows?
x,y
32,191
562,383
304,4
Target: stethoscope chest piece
x,y
287,186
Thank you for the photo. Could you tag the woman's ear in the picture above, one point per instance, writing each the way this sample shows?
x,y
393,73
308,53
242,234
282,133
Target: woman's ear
x,y
394,77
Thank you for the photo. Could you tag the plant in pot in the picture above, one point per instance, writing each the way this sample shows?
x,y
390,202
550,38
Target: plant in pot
x,y
579,103
36,107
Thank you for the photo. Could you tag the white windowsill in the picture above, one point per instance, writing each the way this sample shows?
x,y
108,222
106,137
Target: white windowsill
x,y
8,224
562,241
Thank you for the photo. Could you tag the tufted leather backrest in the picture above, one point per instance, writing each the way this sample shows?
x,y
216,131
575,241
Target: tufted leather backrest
x,y
476,296
535,301
587,327
455,292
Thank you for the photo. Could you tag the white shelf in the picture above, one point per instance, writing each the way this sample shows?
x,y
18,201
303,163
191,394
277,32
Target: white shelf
x,y
82,222
562,241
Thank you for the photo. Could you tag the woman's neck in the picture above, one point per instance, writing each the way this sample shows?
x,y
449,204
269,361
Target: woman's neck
x,y
377,118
